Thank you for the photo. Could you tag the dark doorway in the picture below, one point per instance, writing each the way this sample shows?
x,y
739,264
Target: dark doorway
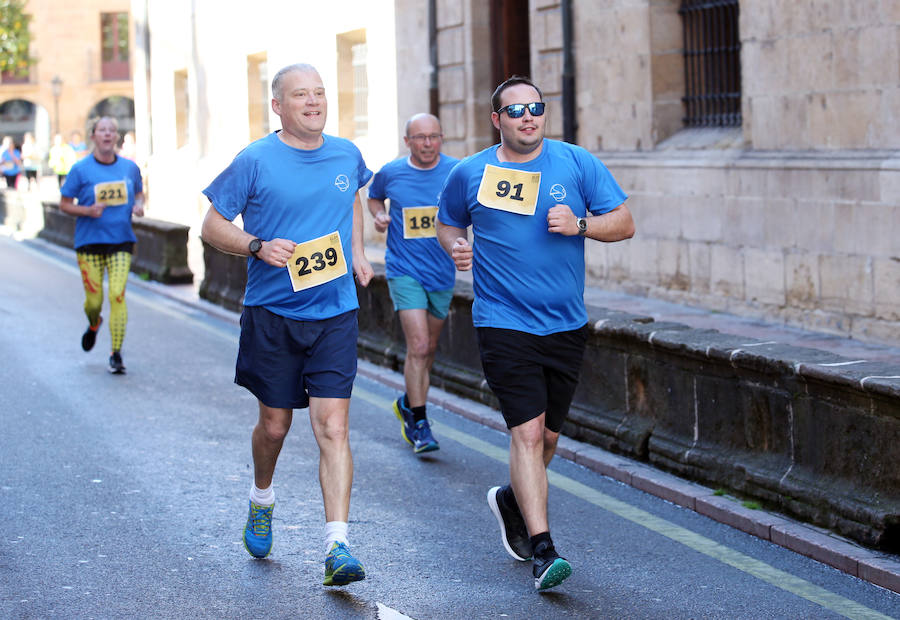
x,y
511,45
510,41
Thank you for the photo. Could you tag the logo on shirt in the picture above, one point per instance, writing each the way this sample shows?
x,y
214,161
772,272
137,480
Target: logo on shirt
x,y
558,192
342,182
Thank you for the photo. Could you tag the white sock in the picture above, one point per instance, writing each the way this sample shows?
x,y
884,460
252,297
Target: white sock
x,y
262,497
335,531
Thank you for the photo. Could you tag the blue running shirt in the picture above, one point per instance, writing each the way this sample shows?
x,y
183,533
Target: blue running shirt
x,y
115,184
412,247
288,193
526,278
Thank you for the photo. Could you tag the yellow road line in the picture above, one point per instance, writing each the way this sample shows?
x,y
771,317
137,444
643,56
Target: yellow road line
x,y
771,575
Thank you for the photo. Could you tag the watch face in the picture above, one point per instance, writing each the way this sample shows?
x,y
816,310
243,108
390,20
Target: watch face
x,y
582,224
255,246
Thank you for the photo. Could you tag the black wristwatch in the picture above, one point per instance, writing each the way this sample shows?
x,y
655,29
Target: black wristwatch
x,y
255,246
582,225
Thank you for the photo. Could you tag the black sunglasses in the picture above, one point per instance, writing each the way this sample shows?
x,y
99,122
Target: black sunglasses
x,y
517,110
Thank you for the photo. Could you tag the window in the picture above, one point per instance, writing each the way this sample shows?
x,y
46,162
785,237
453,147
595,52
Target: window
x,y
257,95
8,77
114,46
353,85
182,109
359,52
712,63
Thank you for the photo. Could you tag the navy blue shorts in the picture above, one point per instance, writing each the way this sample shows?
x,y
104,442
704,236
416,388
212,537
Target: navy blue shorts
x,y
283,361
532,374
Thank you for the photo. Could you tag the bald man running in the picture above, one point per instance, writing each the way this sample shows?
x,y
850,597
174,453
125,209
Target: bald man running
x,y
420,274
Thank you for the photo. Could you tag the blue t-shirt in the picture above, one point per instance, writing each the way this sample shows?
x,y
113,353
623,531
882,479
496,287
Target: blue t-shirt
x,y
8,162
526,278
115,184
412,247
288,193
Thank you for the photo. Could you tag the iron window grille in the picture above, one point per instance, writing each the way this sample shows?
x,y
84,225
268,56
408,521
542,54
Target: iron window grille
x,y
712,63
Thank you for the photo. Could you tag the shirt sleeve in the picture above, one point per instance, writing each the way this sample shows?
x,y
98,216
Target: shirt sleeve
x,y
72,184
452,207
362,172
602,192
137,179
376,190
230,191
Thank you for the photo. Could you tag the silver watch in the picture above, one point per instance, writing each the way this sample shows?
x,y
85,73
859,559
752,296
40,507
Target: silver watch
x,y
582,225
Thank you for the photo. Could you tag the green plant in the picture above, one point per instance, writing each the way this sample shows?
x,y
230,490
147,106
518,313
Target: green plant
x,y
719,492
15,38
751,505
144,275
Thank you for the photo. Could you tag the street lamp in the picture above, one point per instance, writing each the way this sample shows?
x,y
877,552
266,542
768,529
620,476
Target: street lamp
x,y
56,85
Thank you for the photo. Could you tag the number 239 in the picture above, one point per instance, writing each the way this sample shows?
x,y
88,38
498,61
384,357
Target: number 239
x,y
316,262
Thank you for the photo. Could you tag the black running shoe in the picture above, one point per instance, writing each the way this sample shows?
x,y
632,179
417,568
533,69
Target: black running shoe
x,y
549,569
116,366
90,336
513,532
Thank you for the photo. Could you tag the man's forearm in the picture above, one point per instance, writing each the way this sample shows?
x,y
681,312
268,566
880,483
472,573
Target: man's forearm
x,y
376,206
447,235
615,225
224,235
358,243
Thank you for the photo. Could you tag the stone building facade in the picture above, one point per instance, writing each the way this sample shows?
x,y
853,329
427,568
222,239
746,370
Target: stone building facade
x,y
68,39
206,90
792,215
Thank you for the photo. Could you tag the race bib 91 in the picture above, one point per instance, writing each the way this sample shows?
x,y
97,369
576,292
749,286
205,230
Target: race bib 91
x,y
316,262
112,194
419,222
510,190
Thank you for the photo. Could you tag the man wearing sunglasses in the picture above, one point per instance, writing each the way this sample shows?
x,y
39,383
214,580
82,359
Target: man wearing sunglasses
x,y
420,275
531,203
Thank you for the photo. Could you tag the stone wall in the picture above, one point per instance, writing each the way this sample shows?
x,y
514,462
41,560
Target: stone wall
x,y
160,252
809,241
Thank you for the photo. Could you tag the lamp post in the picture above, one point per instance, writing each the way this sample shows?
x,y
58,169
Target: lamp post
x,y
56,85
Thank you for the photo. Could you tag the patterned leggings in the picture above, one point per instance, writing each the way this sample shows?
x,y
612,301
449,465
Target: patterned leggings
x,y
118,265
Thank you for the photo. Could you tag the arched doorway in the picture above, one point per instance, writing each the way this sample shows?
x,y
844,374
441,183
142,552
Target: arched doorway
x,y
119,108
19,116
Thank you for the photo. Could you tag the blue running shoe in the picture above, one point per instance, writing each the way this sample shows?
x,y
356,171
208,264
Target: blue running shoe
x,y
405,415
423,440
258,531
342,568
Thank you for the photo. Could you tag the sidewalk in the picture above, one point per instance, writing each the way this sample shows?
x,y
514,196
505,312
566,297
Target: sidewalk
x,y
876,567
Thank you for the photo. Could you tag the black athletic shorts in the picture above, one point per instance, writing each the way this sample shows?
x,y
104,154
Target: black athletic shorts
x,y
532,374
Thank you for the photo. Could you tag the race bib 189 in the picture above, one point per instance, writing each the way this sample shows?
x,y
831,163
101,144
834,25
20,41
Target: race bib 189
x,y
419,222
112,194
316,262
510,190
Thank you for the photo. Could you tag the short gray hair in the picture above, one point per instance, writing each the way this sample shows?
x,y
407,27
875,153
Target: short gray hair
x,y
277,92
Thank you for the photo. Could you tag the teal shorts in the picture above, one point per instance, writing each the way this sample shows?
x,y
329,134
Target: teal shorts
x,y
408,294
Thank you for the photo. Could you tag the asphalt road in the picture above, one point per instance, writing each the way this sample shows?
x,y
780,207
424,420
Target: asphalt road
x,y
125,497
